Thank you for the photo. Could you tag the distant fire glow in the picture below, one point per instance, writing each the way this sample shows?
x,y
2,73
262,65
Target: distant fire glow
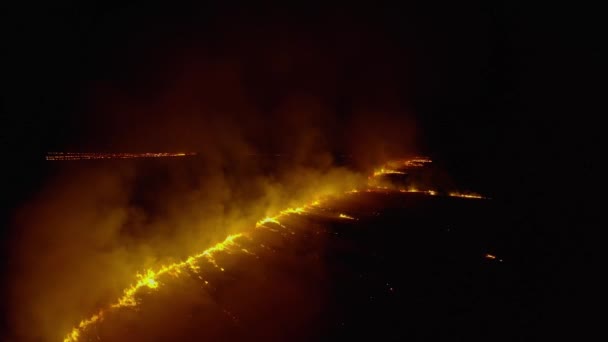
x,y
151,279
57,156
492,257
400,167
467,195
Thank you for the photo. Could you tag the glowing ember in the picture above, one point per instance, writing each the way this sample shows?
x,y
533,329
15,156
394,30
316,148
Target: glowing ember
x,y
92,156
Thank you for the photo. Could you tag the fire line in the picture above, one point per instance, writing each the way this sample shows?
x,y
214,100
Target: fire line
x,y
150,279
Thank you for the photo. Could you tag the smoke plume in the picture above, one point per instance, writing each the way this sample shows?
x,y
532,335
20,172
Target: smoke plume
x,y
277,119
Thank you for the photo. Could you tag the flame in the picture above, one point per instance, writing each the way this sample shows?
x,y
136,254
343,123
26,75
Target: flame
x,y
265,220
75,333
150,278
397,167
384,171
295,210
416,161
344,216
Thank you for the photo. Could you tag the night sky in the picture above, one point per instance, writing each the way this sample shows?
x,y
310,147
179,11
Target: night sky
x,y
480,82
474,76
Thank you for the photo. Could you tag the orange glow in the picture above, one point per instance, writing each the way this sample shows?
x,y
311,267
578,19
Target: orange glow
x,y
344,216
490,256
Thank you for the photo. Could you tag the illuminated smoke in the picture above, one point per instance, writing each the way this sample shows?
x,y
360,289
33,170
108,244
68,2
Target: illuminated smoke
x,y
150,280
81,241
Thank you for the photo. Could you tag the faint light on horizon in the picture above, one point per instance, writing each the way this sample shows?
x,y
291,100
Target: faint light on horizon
x,y
62,156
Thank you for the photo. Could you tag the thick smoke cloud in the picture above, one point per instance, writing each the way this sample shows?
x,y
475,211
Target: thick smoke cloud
x,y
273,115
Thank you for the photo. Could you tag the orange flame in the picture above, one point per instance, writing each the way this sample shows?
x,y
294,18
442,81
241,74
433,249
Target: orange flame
x,y
150,280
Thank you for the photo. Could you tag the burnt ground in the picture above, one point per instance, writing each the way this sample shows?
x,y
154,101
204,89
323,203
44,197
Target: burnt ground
x,y
411,267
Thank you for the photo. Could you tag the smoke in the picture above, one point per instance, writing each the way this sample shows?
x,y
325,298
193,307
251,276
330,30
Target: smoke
x,y
272,124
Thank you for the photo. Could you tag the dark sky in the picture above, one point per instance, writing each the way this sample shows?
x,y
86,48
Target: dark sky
x,y
480,79
466,72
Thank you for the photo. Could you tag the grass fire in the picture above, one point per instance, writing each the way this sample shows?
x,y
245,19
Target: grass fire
x,y
151,279
198,171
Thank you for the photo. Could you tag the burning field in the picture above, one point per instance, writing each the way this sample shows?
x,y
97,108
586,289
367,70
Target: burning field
x,y
227,173
295,276
150,279
246,283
